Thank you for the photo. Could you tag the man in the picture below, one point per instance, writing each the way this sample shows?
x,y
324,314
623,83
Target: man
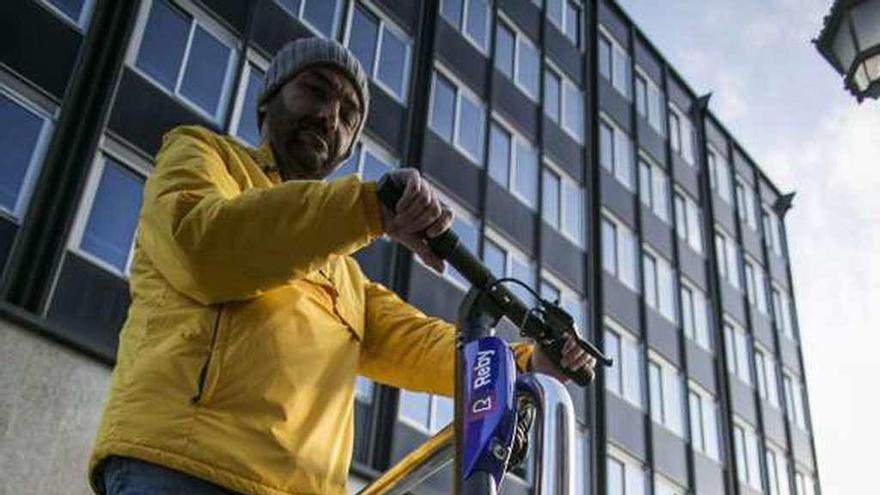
x,y
249,319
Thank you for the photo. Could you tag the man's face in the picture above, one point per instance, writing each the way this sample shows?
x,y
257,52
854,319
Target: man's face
x,y
312,121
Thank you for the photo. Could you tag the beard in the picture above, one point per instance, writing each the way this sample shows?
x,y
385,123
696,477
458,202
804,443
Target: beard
x,y
302,149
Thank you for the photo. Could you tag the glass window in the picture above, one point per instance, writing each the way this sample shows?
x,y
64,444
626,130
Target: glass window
x,y
695,315
350,166
660,196
248,129
609,246
605,57
524,270
615,477
666,403
625,381
572,22
674,132
606,146
495,258
745,199
443,107
551,205
681,134
468,234
777,472
76,11
444,412
688,224
728,260
623,162
582,464
804,484
363,390
655,388
641,96
528,67
619,252
704,426
207,64
653,189
471,123
573,211
632,381
165,42
794,400
321,14
415,407
614,65
573,105
363,36
719,174
21,145
766,371
452,11
621,71
499,154
526,173
645,183
649,267
505,49
655,109
737,350
552,95
696,413
393,63
615,153
113,215
477,23
373,167
385,57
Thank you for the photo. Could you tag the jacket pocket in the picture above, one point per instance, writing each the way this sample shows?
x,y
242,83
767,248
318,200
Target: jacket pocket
x,y
208,373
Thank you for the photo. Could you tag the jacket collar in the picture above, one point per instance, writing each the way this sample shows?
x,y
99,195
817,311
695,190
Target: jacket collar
x,y
266,159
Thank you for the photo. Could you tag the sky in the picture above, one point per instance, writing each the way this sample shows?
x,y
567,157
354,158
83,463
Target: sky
x,y
787,107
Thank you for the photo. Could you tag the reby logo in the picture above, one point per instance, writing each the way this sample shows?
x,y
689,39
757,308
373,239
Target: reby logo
x,y
483,369
482,406
485,403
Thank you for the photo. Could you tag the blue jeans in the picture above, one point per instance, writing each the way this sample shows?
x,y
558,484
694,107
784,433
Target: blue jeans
x,y
127,476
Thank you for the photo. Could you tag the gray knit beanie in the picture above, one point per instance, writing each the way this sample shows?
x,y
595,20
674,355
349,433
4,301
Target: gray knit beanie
x,y
298,54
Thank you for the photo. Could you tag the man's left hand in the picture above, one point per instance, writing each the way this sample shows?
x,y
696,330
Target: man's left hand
x,y
573,358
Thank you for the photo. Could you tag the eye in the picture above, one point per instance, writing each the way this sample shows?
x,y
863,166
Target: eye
x,y
350,117
317,91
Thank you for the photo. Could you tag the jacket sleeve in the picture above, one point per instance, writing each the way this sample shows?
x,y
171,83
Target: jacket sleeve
x,y
405,348
216,243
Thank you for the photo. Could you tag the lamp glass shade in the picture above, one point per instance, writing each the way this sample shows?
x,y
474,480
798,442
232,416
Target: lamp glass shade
x,y
866,21
844,49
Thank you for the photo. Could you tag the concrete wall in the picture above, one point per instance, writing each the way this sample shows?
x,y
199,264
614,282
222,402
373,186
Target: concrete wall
x,y
50,403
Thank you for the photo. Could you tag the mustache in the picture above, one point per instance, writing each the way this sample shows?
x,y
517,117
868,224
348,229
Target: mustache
x,y
312,125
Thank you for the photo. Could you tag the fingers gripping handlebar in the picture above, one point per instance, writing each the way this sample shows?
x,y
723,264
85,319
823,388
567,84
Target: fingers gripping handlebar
x,y
547,324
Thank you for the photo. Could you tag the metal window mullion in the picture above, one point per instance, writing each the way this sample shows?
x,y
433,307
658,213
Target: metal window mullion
x,y
182,70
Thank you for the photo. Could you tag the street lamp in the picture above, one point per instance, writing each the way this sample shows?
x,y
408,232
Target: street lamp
x,y
850,41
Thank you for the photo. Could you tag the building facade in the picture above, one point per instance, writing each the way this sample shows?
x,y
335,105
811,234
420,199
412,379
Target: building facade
x,y
574,156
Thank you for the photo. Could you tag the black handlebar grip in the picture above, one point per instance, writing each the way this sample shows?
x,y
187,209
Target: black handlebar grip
x,y
389,191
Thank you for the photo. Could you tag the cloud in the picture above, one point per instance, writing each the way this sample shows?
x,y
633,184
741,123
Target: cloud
x,y
834,231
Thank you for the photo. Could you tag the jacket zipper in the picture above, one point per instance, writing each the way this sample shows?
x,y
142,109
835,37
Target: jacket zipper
x,y
203,374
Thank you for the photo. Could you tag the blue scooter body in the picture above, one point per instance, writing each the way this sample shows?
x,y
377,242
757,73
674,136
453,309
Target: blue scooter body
x,y
490,407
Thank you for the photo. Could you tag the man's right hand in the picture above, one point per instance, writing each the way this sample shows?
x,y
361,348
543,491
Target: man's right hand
x,y
420,213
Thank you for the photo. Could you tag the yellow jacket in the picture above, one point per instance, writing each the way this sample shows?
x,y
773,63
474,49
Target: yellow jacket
x,y
249,321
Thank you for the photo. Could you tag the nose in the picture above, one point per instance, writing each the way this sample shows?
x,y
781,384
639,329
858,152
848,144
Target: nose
x,y
328,115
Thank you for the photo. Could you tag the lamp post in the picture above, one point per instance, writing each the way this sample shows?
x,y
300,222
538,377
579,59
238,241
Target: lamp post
x,y
850,41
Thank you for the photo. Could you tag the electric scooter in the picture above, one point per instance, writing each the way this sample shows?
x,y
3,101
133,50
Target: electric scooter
x,y
495,408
